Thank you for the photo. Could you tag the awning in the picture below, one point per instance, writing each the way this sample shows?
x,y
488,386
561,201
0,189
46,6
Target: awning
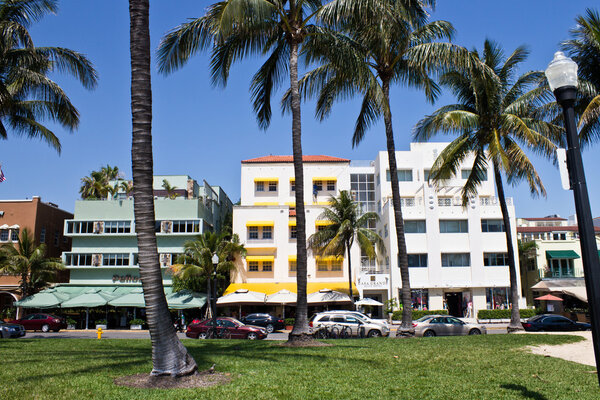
x,y
292,223
561,254
327,296
260,223
89,298
266,203
292,258
330,258
323,222
274,287
50,298
242,296
549,297
260,258
324,178
572,287
135,298
185,299
266,179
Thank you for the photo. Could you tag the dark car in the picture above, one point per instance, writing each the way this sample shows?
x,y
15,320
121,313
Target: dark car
x,y
8,330
555,323
229,328
42,322
265,320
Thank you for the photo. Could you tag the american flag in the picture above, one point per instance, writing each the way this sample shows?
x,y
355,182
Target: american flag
x,y
2,178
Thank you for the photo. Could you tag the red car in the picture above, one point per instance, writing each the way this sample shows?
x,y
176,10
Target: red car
x,y
42,322
226,328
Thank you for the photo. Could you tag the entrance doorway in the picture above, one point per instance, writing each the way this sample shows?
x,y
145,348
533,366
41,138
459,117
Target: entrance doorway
x,y
454,303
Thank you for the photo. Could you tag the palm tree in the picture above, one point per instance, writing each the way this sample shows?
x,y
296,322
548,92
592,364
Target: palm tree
x,y
493,118
388,41
584,48
237,28
196,261
29,262
27,94
97,184
169,356
347,225
169,189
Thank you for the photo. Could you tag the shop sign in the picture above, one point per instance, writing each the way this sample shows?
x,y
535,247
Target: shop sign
x,y
125,279
373,281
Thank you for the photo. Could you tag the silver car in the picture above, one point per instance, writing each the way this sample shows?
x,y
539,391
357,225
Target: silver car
x,y
445,325
361,316
353,323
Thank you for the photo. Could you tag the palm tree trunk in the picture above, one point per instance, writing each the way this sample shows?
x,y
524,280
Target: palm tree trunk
x,y
169,356
300,330
406,328
348,244
515,316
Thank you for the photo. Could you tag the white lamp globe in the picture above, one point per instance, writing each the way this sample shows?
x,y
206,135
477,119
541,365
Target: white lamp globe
x,y
561,72
215,259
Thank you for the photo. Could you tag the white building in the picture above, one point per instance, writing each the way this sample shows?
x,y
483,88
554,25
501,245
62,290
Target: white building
x,y
456,255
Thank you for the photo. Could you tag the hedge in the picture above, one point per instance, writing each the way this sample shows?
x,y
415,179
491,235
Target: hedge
x,y
289,321
505,314
416,314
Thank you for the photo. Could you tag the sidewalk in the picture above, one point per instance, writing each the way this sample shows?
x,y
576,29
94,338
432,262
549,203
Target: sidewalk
x,y
581,352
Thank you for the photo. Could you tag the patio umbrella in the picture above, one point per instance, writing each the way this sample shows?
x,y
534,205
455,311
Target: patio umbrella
x,y
46,299
282,297
242,296
186,299
328,296
135,298
368,302
549,297
89,298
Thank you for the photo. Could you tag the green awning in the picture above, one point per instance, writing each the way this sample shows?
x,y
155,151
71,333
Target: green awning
x,y
89,298
135,298
185,299
50,298
561,254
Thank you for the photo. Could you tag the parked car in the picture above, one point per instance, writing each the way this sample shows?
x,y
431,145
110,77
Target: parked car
x,y
350,320
268,321
360,315
228,327
9,330
552,322
42,322
445,325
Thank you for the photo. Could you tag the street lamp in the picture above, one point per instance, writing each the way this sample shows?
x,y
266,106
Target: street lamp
x,y
562,77
213,303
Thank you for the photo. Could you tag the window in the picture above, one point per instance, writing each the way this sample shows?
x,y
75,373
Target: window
x,y
497,298
293,232
317,186
272,186
404,175
115,259
117,227
414,226
260,186
454,226
336,265
417,260
252,265
267,266
293,266
267,232
56,238
559,236
407,202
426,174
293,185
136,259
444,201
4,235
420,299
456,260
466,172
492,225
321,265
331,185
385,230
562,268
14,235
189,226
362,188
43,235
253,232
76,259
495,259
80,227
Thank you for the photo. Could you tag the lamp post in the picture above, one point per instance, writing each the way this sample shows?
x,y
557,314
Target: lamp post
x,y
213,300
562,77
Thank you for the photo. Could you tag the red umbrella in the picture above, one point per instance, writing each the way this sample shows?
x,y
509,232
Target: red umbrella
x,y
548,297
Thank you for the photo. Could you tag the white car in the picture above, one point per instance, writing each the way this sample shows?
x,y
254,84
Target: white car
x,y
349,323
383,322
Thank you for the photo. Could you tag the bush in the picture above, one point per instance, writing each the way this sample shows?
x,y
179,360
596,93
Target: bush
x,y
289,321
101,322
71,321
416,314
137,321
505,314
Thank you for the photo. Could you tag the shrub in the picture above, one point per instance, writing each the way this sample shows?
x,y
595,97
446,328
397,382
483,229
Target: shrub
x,y
137,321
505,314
71,321
416,314
289,321
100,322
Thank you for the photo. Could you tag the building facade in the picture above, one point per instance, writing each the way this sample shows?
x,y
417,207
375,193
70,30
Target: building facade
x,y
457,256
45,222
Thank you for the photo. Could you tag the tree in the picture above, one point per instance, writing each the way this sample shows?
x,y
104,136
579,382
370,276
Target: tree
x,y
169,356
584,48
171,190
30,263
195,264
527,252
97,185
347,224
494,120
234,29
27,94
386,42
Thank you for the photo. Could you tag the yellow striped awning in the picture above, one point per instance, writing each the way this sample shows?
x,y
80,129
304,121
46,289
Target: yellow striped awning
x,y
324,178
292,258
323,222
292,223
274,287
260,223
266,203
266,179
260,258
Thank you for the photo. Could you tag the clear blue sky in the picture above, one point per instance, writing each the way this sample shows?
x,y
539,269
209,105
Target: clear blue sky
x,y
205,132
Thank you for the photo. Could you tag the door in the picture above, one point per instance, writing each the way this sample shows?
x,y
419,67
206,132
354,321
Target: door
x,y
354,325
455,326
28,322
454,303
439,326
232,329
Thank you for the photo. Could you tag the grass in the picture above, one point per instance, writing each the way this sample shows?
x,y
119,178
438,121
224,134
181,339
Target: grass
x,y
482,367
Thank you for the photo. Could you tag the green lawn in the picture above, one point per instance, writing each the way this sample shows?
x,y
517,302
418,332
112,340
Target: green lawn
x,y
480,367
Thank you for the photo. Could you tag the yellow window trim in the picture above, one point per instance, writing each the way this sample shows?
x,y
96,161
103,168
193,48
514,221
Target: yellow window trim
x,y
266,179
323,223
266,203
260,258
324,178
260,223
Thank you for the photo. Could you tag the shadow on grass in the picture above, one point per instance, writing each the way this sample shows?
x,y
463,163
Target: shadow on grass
x,y
525,393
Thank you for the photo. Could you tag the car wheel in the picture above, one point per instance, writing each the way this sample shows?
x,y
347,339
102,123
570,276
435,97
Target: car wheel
x,y
45,328
252,336
202,335
374,333
270,328
429,333
475,331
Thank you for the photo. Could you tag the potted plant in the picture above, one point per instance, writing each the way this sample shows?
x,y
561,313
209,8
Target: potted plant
x,y
136,323
289,323
101,323
71,323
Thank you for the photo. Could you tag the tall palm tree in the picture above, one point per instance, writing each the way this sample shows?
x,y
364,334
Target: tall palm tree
x,y
27,94
169,356
97,185
234,29
347,225
386,42
169,189
494,120
196,260
584,48
29,262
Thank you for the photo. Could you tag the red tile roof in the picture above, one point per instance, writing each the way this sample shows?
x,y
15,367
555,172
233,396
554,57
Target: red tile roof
x,y
529,229
545,219
289,159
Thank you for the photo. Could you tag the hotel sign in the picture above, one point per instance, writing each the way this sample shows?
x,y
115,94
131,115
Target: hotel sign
x,y
125,279
373,281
